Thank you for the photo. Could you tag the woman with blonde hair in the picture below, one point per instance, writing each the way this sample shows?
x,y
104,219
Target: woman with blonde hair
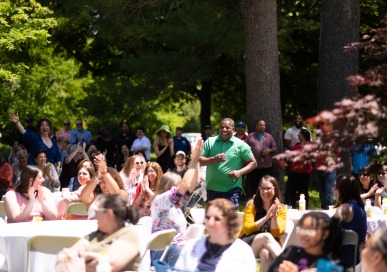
x,y
132,174
149,184
163,147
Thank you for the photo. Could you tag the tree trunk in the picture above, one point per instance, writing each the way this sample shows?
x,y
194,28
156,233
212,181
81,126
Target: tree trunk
x,y
339,26
204,96
262,69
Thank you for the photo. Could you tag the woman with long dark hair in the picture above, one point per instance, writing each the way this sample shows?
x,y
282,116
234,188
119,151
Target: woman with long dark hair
x,y
30,198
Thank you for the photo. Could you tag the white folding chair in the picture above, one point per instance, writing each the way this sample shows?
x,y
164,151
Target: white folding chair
x,y
160,240
194,231
48,245
197,215
286,234
240,216
2,211
76,208
350,237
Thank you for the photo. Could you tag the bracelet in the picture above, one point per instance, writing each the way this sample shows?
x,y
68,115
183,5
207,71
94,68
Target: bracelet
x,y
17,122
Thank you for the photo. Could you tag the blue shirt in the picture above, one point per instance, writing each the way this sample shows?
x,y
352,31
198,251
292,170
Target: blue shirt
x,y
35,143
181,144
77,136
362,158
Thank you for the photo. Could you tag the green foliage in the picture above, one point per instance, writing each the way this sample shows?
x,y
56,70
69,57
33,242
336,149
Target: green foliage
x,y
23,25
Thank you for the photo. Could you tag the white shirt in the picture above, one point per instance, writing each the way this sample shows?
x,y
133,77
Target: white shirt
x,y
143,142
292,135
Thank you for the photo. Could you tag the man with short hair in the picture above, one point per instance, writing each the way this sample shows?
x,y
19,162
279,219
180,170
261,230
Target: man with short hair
x,y
291,135
180,166
227,159
207,132
263,147
80,135
142,143
240,128
181,143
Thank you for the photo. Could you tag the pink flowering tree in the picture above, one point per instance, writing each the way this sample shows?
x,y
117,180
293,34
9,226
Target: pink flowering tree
x,y
361,119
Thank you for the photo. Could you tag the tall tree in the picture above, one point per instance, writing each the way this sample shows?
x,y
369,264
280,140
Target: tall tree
x,y
262,66
340,22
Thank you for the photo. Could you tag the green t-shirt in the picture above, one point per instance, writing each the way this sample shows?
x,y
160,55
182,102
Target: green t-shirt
x,y
237,152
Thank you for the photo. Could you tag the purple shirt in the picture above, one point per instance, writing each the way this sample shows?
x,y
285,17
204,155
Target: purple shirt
x,y
257,146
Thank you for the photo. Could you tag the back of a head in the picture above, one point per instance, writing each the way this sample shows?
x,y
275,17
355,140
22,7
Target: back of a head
x,y
121,209
168,180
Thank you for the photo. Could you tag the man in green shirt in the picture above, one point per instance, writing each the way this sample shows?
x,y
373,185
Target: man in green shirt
x,y
227,159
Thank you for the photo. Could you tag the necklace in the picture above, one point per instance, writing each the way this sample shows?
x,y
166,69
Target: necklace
x,y
214,250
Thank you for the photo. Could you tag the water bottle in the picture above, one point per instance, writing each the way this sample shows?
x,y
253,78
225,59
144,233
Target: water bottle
x,y
368,207
302,203
384,206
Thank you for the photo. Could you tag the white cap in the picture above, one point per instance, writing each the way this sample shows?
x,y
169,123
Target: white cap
x,y
180,153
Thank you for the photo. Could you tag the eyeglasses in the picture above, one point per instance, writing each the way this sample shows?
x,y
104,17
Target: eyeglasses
x,y
363,175
267,189
216,218
78,124
311,232
140,163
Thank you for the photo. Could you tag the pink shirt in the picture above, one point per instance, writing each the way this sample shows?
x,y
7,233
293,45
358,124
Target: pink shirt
x,y
36,210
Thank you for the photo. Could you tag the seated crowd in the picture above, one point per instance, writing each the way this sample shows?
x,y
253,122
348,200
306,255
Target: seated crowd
x,y
161,189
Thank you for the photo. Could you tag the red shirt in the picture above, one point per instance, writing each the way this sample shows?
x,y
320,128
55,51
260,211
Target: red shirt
x,y
6,174
300,166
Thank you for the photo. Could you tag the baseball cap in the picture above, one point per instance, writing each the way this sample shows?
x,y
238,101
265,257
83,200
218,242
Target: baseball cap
x,y
180,153
207,127
240,124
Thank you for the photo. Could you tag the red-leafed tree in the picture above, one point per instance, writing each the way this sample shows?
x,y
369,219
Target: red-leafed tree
x,y
357,119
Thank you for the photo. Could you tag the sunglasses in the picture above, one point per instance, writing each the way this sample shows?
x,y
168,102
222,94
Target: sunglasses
x,y
139,163
216,218
78,124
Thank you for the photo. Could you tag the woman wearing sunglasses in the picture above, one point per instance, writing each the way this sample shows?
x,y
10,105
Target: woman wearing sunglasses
x,y
132,174
265,221
317,235
220,251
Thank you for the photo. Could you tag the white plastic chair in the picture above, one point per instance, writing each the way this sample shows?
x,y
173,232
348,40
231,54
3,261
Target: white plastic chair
x,y
286,234
197,215
2,211
240,216
76,208
160,240
48,245
194,231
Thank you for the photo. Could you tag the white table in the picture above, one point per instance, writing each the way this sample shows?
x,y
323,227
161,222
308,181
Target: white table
x,y
14,239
